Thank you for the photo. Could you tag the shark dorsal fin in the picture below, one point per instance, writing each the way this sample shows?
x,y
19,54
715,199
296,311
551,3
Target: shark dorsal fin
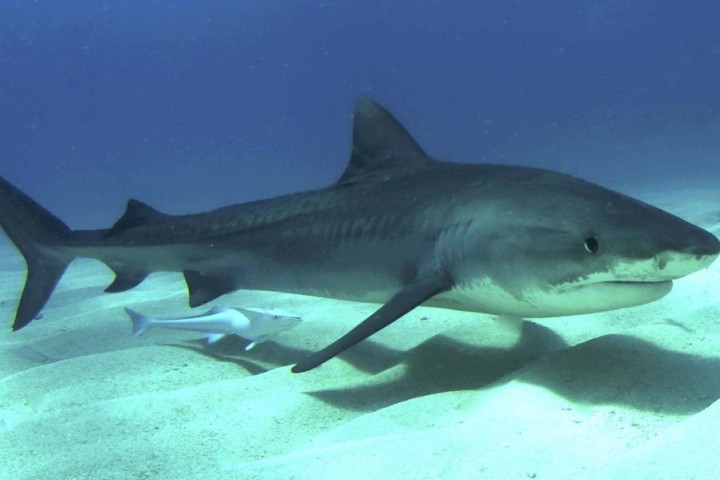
x,y
136,213
380,143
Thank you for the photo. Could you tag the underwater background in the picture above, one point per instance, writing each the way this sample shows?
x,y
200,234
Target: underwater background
x,y
191,105
195,104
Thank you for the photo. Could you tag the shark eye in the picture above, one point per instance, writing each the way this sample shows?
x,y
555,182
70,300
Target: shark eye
x,y
592,245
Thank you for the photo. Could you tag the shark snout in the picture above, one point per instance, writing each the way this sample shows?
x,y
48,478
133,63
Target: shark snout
x,y
706,246
689,258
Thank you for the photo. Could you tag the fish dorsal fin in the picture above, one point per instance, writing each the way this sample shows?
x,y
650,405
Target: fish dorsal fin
x,y
380,143
136,213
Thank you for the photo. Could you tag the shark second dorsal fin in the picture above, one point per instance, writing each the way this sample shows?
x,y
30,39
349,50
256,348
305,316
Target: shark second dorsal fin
x,y
380,143
136,213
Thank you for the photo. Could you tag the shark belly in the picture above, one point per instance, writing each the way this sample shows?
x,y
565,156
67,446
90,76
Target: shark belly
x,y
364,269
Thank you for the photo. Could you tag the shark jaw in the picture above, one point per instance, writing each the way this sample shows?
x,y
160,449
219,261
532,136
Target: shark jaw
x,y
628,283
572,298
609,295
631,283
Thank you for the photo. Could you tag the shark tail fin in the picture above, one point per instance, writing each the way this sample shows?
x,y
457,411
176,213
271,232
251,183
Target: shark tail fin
x,y
35,232
140,322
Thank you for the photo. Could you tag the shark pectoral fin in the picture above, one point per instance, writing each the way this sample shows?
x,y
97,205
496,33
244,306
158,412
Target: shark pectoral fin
x,y
205,288
411,296
125,280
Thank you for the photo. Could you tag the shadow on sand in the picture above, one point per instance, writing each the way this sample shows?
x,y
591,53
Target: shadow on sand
x,y
612,369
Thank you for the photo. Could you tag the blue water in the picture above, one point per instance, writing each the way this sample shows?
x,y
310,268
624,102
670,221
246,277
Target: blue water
x,y
194,104
191,105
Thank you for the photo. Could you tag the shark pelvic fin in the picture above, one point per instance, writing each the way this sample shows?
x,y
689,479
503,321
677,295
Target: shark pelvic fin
x,y
380,144
411,296
204,288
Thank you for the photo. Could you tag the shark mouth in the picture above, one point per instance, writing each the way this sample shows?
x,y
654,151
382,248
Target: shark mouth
x,y
612,294
620,283
651,276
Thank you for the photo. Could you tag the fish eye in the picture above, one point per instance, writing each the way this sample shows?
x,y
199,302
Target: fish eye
x,y
592,245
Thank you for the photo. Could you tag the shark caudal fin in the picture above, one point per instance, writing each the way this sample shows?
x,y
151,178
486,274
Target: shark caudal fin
x,y
34,231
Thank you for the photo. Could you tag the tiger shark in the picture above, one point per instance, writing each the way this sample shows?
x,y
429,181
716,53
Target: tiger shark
x,y
398,228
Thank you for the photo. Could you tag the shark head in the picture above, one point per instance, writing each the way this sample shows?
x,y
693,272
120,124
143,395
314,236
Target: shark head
x,y
568,246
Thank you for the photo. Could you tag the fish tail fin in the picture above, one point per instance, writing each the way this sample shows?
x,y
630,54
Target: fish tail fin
x,y
140,322
35,232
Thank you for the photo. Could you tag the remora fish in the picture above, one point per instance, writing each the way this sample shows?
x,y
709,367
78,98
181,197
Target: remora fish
x,y
399,228
255,324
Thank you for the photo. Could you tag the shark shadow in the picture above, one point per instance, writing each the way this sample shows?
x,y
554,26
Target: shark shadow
x,y
613,369
626,370
440,364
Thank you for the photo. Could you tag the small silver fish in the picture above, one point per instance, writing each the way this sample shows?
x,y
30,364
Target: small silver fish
x,y
255,324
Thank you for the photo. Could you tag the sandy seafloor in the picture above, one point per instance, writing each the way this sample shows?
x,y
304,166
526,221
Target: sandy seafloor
x,y
439,394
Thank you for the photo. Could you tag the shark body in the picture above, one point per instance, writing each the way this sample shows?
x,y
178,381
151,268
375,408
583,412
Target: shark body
x,y
400,229
254,324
